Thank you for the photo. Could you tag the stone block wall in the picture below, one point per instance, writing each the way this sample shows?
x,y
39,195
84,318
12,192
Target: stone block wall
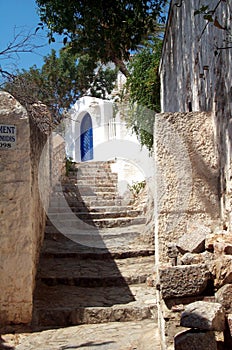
x,y
186,166
23,215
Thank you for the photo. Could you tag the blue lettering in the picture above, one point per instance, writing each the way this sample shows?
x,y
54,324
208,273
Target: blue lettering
x,y
5,129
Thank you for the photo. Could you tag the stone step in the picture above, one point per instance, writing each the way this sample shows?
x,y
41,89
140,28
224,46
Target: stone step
x,y
91,176
76,223
95,273
123,244
141,335
98,195
60,201
70,305
116,222
87,186
84,213
90,171
91,236
82,208
93,181
92,164
99,191
108,192
105,187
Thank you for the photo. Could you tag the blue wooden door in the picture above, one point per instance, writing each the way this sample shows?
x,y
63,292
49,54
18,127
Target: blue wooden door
x,y
86,138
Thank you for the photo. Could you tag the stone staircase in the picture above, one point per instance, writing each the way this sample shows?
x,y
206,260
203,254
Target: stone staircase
x,y
93,265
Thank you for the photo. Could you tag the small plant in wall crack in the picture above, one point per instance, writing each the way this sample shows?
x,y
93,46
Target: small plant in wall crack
x,y
137,187
69,165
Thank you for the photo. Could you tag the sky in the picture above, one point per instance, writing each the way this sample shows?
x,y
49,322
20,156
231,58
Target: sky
x,y
18,16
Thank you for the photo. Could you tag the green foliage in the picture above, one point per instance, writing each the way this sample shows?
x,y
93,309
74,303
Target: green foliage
x,y
107,30
137,187
144,92
69,165
61,81
104,82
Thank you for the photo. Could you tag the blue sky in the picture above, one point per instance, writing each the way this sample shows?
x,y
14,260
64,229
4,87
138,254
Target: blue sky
x,y
21,16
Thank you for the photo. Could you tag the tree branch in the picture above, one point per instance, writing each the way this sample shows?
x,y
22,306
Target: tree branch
x,y
22,42
121,66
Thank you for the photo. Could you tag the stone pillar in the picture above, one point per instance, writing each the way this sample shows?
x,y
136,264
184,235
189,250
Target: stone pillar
x,y
16,274
186,173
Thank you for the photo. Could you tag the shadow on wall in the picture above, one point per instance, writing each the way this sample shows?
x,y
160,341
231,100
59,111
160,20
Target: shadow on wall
x,y
223,121
209,196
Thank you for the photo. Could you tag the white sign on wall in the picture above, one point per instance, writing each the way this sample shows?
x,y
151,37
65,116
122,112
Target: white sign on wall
x,y
7,136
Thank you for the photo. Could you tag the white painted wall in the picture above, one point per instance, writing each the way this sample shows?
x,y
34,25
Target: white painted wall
x,y
112,140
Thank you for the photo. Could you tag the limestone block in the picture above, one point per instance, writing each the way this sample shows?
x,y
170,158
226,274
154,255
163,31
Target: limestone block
x,y
228,333
183,280
217,237
229,321
192,242
172,250
204,316
224,297
190,258
222,269
187,175
193,339
219,248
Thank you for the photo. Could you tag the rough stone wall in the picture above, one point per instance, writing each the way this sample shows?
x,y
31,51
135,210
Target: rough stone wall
x,y
39,140
23,214
58,158
196,75
186,176
16,253
186,197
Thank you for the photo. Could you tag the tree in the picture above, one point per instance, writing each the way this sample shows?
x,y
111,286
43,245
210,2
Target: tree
x,y
105,30
143,85
61,81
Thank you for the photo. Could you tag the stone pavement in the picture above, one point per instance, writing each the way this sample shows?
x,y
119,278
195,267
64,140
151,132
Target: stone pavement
x,y
140,335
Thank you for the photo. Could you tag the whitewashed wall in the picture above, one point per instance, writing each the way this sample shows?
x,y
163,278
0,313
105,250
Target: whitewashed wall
x,y
112,140
100,111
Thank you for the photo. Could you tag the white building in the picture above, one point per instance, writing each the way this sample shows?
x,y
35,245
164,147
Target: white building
x,y
96,131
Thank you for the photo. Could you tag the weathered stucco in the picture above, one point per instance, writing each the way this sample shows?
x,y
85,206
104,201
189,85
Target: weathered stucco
x,y
22,216
196,74
186,175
